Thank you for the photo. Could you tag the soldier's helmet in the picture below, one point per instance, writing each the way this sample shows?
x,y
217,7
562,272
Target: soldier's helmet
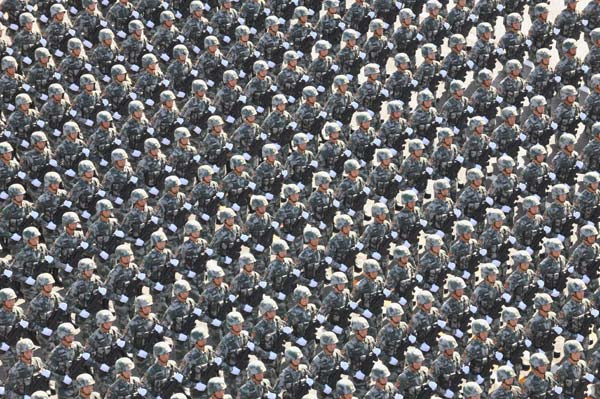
x,y
267,305
86,264
455,283
290,189
381,154
559,189
214,271
242,30
541,299
41,52
293,353
359,323
447,342
425,95
321,178
350,34
256,367
464,227
591,178
379,209
494,215
455,40
406,13
572,346
567,91
234,318
248,110
427,49
575,285
394,310
506,162
5,147
104,205
39,395
479,325
474,174
279,246
530,202
379,370
6,294
24,345
123,250
408,196
542,54
181,133
84,380
226,213
52,178
311,233
257,201
338,278
344,387
440,185
30,233
510,313
401,251
309,91
269,150
424,297
413,355
328,338
143,301
538,359
216,384
25,18
21,99
301,292
376,24
504,373
236,161
104,316
16,189
566,139
433,240
350,165
470,389
537,101
66,329
588,231
171,181
484,27
260,65
199,333
487,268
509,111
432,5
211,41
181,286
161,348
124,364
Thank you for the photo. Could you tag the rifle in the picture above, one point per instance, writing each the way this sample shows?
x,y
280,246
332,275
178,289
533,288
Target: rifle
x,y
219,310
79,366
477,213
95,303
133,287
367,363
374,301
445,221
450,381
38,383
450,169
239,358
58,213
340,316
563,226
307,330
181,216
266,239
204,372
481,366
585,322
19,330
515,352
57,316
241,197
198,266
349,259
298,226
392,189
473,260
172,385
297,389
533,238
404,288
383,246
252,296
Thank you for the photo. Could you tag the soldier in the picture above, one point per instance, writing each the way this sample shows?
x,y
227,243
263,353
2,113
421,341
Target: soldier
x,y
483,53
271,42
279,274
439,212
391,338
45,305
586,201
10,83
36,162
103,347
135,129
292,218
538,380
495,239
560,215
510,339
591,105
455,309
149,80
139,221
257,385
248,286
566,116
227,241
293,379
159,375
183,157
328,24
102,235
320,69
242,53
269,176
234,350
432,27
63,357
172,210
472,201
289,80
341,246
577,314
487,296
160,267
427,74
506,376
592,147
446,368
378,235
269,334
165,34
573,373
140,332
30,262
335,308
414,169
215,301
9,167
54,111
511,89
541,79
199,364
567,25
321,204
413,378
25,370
302,318
22,122
237,186
15,216
134,47
406,37
175,317
203,197
210,63
125,384
325,367
49,202
521,283
85,295
432,262
454,64
192,255
424,323
543,326
198,107
248,138
569,68
511,45
85,385
478,352
310,115
10,317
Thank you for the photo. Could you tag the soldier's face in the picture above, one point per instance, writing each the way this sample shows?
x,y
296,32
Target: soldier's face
x,y
498,224
379,32
59,16
262,73
164,358
544,16
575,356
340,287
236,328
351,43
491,278
68,340
125,260
572,5
571,99
161,245
27,355
407,21
249,268
7,156
323,53
303,301
579,295
88,274
47,288
106,326
593,186
106,214
418,153
9,304
40,145
76,52
146,310
244,38
274,28
24,107
138,32
436,249
34,241
329,348
120,163
434,12
87,390
183,295
201,343
416,365
218,281
29,26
